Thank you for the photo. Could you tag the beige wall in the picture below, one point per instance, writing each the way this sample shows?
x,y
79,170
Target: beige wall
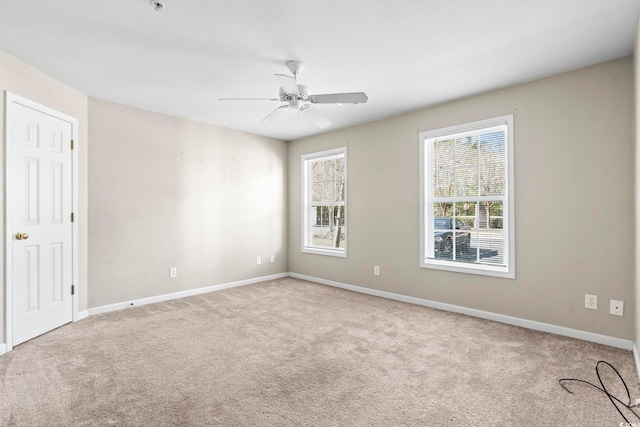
x,y
170,192
26,81
574,198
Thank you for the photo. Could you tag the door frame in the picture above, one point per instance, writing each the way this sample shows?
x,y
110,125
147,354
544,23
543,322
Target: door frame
x,y
10,100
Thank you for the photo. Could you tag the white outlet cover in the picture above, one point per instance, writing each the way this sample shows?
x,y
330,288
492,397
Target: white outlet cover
x,y
588,299
616,308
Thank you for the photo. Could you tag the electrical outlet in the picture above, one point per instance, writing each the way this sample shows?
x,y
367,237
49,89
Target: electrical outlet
x,y
173,272
376,270
591,301
258,260
616,307
273,258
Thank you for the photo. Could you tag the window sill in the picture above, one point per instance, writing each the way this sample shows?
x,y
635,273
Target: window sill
x,y
342,253
458,267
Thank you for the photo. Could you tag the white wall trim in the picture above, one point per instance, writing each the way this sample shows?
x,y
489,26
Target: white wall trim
x,y
516,321
636,359
181,294
510,320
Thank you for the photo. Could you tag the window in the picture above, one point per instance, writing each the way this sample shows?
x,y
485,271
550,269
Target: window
x,y
324,191
466,206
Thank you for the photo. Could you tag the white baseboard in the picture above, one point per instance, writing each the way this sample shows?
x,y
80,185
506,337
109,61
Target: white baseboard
x,y
530,324
636,359
181,294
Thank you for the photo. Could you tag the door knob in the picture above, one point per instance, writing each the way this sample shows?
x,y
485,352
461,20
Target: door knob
x,y
22,236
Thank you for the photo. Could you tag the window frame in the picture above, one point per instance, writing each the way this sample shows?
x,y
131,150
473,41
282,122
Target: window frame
x,y
426,198
306,203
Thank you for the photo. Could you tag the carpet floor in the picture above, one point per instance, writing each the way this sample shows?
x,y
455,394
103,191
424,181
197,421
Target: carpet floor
x,y
295,353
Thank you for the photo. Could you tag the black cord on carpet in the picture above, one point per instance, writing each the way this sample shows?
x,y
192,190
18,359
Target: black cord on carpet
x,y
604,390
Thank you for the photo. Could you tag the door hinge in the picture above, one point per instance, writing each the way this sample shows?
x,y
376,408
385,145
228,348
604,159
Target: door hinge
x,y
73,217
73,289
72,144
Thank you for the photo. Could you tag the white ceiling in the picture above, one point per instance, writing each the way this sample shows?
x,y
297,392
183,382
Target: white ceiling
x,y
405,54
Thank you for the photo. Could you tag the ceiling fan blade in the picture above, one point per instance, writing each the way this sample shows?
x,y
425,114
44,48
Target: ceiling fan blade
x,y
274,114
248,99
339,98
288,83
315,116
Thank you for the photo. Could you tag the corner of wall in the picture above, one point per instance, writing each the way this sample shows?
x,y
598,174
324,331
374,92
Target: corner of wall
x,y
636,103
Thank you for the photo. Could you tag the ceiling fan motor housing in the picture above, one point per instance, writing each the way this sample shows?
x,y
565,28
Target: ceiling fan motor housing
x,y
302,95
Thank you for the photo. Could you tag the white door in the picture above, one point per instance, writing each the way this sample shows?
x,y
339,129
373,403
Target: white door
x,y
39,204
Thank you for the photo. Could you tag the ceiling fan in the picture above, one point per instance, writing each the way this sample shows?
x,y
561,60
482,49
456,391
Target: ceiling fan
x,y
298,98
